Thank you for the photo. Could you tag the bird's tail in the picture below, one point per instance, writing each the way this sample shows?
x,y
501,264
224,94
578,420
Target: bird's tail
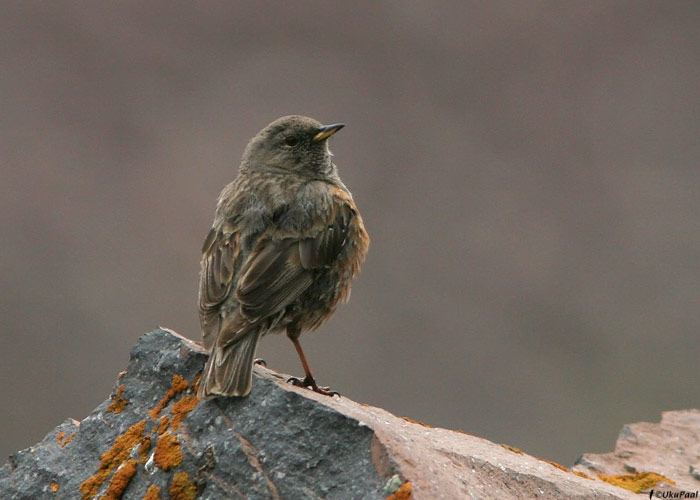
x,y
229,370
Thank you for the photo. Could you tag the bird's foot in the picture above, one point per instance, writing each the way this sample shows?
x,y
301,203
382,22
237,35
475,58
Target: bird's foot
x,y
260,361
309,383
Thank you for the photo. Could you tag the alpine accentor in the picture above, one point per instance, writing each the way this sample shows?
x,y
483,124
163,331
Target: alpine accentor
x,y
286,242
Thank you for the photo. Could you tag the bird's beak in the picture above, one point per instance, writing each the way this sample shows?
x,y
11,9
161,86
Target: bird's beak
x,y
326,131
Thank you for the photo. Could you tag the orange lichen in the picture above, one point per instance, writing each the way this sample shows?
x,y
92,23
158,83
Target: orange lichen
x,y
168,454
62,439
558,466
403,493
153,493
113,458
163,424
54,487
181,488
465,433
144,448
68,440
582,474
120,480
182,408
195,383
415,422
179,384
635,482
513,449
119,403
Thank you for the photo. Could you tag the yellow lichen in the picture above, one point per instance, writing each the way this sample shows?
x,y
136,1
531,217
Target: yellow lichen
x,y
582,474
465,433
513,449
168,454
179,384
554,464
54,487
153,493
119,403
163,424
182,408
67,440
635,482
144,448
403,493
120,480
181,488
407,419
62,439
113,458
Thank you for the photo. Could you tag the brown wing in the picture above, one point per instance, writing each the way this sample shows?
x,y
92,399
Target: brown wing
x,y
220,259
280,270
272,278
323,249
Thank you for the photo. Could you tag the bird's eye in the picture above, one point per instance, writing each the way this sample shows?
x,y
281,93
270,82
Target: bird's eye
x,y
291,140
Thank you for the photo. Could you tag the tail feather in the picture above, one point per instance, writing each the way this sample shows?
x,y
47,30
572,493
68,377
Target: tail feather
x,y
229,370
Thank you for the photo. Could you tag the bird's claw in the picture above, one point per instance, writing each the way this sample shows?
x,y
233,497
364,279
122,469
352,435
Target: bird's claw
x,y
309,383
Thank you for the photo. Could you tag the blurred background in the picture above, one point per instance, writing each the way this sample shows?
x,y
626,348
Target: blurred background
x,y
528,172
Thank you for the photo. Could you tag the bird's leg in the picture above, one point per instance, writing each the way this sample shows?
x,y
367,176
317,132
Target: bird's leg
x,y
309,382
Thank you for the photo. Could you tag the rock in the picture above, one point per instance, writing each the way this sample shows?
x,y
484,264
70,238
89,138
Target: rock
x,y
154,440
660,457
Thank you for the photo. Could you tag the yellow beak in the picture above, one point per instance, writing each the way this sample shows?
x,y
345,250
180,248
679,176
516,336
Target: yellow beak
x,y
326,131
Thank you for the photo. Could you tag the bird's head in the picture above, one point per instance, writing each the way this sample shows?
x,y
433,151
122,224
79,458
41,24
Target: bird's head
x,y
295,143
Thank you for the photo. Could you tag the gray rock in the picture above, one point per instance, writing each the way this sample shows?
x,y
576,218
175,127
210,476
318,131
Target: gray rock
x,y
277,443
153,439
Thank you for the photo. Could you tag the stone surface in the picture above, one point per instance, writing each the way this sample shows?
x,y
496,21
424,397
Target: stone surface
x,y
670,448
153,439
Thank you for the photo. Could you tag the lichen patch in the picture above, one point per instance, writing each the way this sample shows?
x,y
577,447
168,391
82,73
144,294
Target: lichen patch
x,y
181,409
178,385
119,403
635,482
403,493
153,493
113,458
120,480
63,440
163,424
144,448
181,488
407,419
512,448
554,464
168,454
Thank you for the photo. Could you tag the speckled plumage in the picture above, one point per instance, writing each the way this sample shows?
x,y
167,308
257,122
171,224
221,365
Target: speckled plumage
x,y
286,242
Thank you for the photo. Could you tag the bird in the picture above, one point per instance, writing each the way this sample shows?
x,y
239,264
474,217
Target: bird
x,y
286,243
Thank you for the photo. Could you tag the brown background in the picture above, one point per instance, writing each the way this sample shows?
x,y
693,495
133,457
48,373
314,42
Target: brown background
x,y
528,172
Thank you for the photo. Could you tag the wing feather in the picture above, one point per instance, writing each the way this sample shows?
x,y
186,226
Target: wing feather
x,y
272,279
278,270
324,247
220,259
